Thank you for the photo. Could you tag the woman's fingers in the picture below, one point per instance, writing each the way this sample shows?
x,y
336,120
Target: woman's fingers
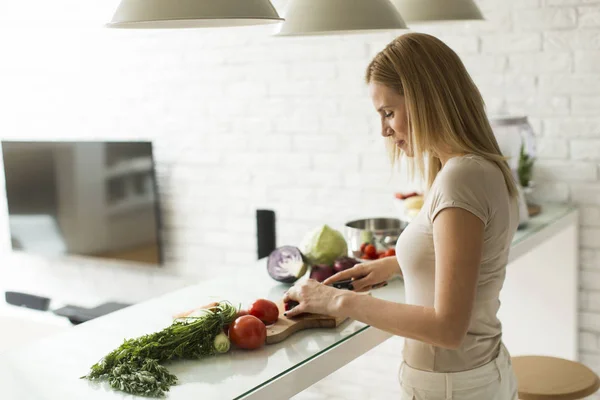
x,y
299,309
337,277
367,284
353,272
289,295
360,285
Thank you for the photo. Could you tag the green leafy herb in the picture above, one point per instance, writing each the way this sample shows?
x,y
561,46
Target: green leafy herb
x,y
134,367
525,168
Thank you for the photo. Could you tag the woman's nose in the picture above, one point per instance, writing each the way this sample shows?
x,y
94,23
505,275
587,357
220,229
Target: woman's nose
x,y
386,131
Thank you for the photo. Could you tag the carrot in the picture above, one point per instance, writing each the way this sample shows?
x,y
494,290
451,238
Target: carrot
x,y
187,313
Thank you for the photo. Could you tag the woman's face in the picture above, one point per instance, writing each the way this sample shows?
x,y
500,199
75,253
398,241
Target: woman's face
x,y
392,109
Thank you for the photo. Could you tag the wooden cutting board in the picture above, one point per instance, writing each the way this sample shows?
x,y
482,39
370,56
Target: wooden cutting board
x,y
285,327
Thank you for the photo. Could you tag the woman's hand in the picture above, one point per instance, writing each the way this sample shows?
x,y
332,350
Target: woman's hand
x,y
368,275
314,297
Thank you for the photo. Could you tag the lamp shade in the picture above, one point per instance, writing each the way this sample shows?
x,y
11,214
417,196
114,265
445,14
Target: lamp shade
x,y
438,10
153,14
321,17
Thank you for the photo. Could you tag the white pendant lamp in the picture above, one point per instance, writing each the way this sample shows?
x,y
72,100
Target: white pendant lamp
x,y
154,14
322,17
438,10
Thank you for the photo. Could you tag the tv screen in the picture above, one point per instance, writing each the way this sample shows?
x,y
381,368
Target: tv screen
x,y
95,199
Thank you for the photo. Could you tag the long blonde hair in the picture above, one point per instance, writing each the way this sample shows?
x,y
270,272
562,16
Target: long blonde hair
x,y
444,107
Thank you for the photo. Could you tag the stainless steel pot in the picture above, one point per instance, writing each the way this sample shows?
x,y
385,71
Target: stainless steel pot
x,y
383,233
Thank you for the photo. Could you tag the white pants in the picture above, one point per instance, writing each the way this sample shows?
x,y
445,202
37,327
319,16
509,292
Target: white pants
x,y
493,381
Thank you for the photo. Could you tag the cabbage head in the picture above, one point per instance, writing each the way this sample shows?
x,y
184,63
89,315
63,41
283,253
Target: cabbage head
x,y
324,245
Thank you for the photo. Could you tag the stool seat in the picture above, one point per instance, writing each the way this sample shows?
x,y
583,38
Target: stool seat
x,y
552,378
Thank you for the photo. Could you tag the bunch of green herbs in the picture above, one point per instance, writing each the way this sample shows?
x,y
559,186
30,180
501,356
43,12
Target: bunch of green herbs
x,y
135,366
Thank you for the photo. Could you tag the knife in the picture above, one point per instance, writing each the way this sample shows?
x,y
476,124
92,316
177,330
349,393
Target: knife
x,y
347,284
343,284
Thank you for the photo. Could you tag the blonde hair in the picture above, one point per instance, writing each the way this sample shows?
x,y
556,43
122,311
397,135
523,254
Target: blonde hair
x,y
444,107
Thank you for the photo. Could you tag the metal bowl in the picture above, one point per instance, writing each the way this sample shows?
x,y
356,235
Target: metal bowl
x,y
383,233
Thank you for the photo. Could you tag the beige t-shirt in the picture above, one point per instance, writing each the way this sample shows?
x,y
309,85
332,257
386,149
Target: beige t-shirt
x,y
476,185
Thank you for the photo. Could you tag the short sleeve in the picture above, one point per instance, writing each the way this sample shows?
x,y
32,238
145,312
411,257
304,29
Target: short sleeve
x,y
461,184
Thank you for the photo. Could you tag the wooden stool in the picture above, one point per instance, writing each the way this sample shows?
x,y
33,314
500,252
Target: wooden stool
x,y
552,378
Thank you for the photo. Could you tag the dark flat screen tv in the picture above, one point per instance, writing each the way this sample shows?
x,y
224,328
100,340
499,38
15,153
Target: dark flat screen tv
x,y
92,199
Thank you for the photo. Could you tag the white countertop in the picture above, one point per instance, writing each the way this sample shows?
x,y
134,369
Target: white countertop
x,y
50,368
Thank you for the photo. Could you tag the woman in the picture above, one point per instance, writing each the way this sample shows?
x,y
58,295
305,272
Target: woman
x,y
453,255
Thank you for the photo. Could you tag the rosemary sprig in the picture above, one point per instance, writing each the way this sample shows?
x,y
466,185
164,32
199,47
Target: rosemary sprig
x,y
134,367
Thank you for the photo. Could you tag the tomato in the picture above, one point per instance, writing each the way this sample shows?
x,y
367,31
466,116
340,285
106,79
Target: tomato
x,y
240,313
370,251
381,255
248,332
362,247
390,252
265,310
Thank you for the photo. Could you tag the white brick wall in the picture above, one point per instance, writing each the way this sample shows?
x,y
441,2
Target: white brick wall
x,y
243,120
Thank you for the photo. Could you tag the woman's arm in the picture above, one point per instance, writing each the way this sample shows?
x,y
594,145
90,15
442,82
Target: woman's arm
x,y
458,241
397,271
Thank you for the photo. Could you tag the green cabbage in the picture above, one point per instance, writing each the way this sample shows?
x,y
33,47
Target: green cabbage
x,y
323,245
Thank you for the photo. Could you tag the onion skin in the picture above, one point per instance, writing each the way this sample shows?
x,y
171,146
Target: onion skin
x,y
321,272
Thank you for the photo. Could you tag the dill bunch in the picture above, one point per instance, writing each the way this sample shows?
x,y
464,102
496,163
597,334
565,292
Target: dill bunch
x,y
135,366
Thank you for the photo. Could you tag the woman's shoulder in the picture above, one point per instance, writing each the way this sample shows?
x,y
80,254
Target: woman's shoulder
x,y
464,169
471,166
463,182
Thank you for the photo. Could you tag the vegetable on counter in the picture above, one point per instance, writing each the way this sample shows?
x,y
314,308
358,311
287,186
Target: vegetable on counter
x,y
248,332
321,272
286,264
404,196
195,311
343,263
222,343
134,367
290,304
323,245
265,310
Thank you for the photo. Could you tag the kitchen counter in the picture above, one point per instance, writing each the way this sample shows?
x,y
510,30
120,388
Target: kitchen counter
x,y
49,369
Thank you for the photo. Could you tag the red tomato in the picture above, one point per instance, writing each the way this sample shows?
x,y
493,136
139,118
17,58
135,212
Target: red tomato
x,y
248,332
265,310
390,252
362,247
240,313
370,251
381,255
